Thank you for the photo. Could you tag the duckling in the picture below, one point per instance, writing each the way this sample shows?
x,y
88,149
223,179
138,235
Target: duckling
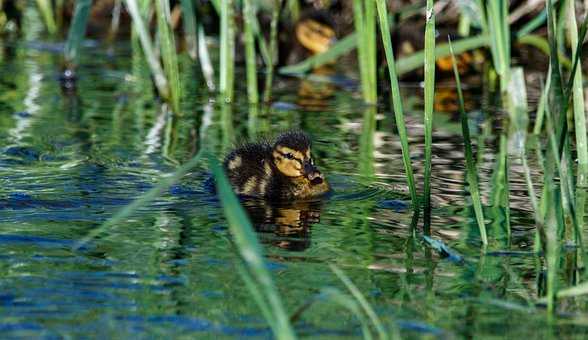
x,y
280,171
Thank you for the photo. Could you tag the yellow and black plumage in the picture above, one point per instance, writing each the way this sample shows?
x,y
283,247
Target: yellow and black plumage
x,y
280,170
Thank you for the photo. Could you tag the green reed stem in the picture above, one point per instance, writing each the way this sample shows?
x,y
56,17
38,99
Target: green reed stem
x,y
472,171
250,57
142,201
542,102
365,305
364,20
497,13
190,27
204,58
273,51
251,253
150,53
168,52
429,101
580,122
397,100
227,50
46,9
77,30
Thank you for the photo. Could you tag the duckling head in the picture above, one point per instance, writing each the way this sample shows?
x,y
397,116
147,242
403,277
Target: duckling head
x,y
315,36
291,156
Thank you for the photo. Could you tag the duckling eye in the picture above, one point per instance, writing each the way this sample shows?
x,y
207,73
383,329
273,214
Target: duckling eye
x,y
289,156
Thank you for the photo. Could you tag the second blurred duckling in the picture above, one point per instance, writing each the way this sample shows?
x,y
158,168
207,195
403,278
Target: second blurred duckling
x,y
279,171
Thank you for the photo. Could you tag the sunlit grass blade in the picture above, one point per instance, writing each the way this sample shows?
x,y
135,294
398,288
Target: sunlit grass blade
x,y
204,57
497,18
46,9
365,305
364,20
397,100
429,101
542,102
580,123
338,49
77,30
472,171
251,252
189,20
168,53
142,201
227,50
273,51
152,59
250,56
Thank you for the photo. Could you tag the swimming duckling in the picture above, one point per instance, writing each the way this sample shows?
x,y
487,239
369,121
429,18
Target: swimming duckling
x,y
284,170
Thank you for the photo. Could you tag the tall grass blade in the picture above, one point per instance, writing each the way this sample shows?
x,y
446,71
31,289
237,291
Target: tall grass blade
x,y
364,20
250,56
397,100
472,171
273,51
579,121
204,57
365,305
190,34
251,252
150,53
142,201
542,102
46,9
77,30
497,13
429,101
227,50
168,53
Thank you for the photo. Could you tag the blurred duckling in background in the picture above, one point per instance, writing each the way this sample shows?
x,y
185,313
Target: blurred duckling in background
x,y
280,171
314,33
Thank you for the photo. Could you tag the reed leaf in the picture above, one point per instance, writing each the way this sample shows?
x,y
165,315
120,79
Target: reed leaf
x,y
397,100
150,53
46,9
227,50
472,171
250,56
168,53
498,26
364,20
204,57
190,28
273,50
77,30
579,121
251,252
429,101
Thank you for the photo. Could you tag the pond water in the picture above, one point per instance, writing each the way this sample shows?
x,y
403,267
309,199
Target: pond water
x,y
70,159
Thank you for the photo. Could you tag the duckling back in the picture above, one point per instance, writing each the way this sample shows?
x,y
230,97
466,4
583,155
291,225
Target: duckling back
x,y
249,169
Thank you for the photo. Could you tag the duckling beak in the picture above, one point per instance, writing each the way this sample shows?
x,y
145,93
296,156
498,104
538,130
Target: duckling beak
x,y
312,173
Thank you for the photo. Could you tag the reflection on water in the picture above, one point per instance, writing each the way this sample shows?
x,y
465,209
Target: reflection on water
x,y
290,223
69,160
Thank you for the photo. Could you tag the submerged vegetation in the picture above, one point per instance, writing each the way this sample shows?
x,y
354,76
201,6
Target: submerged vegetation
x,y
555,136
